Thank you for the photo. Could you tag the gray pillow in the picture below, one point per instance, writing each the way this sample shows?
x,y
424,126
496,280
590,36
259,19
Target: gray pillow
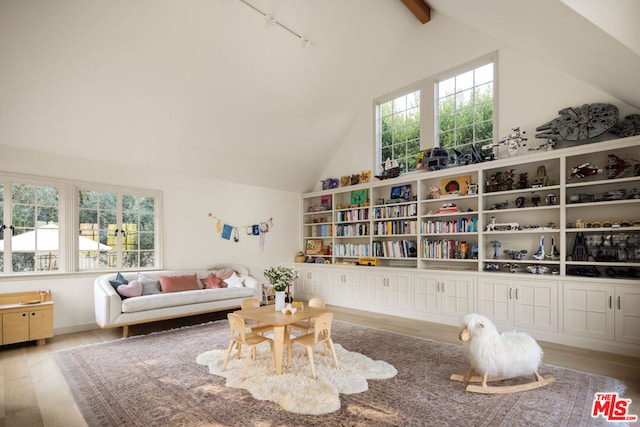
x,y
149,286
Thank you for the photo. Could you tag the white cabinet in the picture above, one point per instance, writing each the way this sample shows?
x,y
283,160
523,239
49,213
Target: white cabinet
x,y
602,311
311,283
519,303
388,290
446,295
345,288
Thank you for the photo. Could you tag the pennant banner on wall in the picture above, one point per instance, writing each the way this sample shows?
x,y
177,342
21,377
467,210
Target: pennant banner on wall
x,y
231,232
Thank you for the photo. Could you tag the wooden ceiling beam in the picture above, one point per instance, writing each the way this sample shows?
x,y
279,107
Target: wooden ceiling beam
x,y
420,9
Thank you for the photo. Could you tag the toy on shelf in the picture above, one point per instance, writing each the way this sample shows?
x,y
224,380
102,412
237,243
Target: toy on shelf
x,y
497,356
580,123
617,167
514,141
516,255
391,169
584,170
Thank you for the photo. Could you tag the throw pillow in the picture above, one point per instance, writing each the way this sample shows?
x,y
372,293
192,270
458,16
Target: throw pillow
x,y
149,286
234,281
131,289
225,273
119,280
213,282
178,283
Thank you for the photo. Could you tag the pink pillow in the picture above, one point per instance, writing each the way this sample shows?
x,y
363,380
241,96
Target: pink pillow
x,y
178,283
225,273
213,282
131,289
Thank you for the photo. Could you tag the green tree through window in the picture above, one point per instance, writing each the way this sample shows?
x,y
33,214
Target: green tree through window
x,y
398,132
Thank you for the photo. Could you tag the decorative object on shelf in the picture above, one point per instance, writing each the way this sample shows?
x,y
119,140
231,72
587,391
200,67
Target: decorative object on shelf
x,y
370,261
537,269
390,170
473,189
511,268
344,180
358,197
630,126
516,255
355,179
551,199
329,183
523,181
458,184
604,197
541,177
448,208
401,193
618,167
300,257
539,255
433,192
584,170
520,201
579,249
514,141
555,253
505,226
314,246
496,246
580,124
432,159
497,356
365,176
535,199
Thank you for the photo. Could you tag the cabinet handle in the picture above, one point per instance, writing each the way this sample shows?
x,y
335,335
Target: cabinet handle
x,y
610,301
619,306
510,294
24,314
33,313
443,287
516,293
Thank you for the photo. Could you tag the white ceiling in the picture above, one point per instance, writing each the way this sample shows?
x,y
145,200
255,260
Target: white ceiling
x,y
207,88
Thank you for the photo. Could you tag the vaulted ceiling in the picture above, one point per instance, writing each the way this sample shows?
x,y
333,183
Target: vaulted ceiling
x,y
211,88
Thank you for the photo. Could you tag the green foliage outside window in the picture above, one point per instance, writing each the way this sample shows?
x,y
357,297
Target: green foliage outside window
x,y
399,130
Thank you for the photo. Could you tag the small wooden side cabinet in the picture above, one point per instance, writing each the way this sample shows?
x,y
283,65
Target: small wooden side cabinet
x,y
26,316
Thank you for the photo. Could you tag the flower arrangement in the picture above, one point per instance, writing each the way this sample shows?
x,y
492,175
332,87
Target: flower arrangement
x,y
280,276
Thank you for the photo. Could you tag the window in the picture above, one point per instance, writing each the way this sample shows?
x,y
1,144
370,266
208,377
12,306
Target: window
x,y
465,109
31,219
116,228
398,130
454,110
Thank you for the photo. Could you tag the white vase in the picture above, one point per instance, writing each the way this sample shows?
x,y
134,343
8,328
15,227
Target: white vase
x,y
280,300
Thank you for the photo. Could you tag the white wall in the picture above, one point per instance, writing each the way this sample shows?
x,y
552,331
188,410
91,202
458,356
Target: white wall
x,y
190,238
530,93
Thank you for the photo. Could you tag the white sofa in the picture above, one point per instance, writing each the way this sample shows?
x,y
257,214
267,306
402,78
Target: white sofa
x,y
113,311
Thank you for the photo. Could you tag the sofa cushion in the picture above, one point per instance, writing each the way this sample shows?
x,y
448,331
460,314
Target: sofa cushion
x,y
119,280
224,273
151,302
149,286
179,283
234,281
131,289
213,282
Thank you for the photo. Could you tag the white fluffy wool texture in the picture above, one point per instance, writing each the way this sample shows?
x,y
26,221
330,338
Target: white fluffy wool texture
x,y
507,355
295,390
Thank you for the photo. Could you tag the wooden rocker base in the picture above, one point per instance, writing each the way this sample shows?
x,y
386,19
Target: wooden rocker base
x,y
485,389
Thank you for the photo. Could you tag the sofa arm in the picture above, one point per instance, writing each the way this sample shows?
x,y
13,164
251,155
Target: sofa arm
x,y
107,302
251,282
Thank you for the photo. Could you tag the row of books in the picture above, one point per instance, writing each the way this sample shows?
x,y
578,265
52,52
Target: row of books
x,y
405,226
324,230
353,215
352,230
396,211
445,249
395,249
460,225
351,250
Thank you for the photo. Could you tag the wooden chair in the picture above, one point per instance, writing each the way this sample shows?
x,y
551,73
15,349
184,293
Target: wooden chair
x,y
321,334
307,325
255,327
240,337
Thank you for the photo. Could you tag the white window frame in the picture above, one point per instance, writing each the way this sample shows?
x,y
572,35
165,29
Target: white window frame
x,y
68,214
429,107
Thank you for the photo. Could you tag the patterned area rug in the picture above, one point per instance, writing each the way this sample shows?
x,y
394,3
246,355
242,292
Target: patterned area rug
x,y
154,380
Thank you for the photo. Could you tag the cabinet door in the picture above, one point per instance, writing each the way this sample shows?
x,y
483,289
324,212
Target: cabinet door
x,y
457,296
345,288
536,305
627,309
375,289
310,283
40,324
15,327
426,298
588,310
397,293
494,300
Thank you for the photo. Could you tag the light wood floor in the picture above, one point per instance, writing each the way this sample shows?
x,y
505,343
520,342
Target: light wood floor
x,y
33,393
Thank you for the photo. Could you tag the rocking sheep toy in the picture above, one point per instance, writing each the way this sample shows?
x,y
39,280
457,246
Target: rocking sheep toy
x,y
497,356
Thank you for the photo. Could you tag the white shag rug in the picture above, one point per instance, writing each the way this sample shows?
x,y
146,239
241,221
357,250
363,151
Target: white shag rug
x,y
295,390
